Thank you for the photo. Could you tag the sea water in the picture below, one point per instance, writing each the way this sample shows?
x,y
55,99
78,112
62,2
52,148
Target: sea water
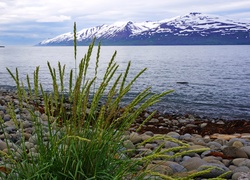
x,y
211,81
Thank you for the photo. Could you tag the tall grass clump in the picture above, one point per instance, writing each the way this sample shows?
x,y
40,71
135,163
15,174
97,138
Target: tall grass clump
x,y
86,124
84,132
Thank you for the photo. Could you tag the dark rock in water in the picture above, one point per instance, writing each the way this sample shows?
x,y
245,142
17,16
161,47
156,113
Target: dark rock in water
x,y
182,82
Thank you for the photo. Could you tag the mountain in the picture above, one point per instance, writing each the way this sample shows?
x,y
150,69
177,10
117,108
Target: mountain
x,y
189,29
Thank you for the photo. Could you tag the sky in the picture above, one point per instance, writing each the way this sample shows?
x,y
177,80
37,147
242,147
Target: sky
x,y
28,22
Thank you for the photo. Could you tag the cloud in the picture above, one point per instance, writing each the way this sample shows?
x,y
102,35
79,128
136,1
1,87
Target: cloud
x,y
13,11
57,16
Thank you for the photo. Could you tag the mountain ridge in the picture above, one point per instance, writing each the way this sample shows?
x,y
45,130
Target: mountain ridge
x,y
189,29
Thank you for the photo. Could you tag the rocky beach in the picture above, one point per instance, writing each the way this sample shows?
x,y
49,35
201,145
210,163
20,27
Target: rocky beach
x,y
225,144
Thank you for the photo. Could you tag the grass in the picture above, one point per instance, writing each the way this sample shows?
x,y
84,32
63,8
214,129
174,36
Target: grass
x,y
86,125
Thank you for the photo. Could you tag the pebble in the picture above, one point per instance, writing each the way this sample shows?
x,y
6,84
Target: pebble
x,y
244,176
10,123
239,176
154,120
26,124
6,117
237,161
2,108
217,171
246,162
214,145
3,145
174,135
247,150
33,139
241,169
145,137
234,152
29,145
135,137
129,145
193,163
202,125
1,114
166,170
237,144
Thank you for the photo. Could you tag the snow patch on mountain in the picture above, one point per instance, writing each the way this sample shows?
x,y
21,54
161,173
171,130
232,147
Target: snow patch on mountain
x,y
185,25
58,39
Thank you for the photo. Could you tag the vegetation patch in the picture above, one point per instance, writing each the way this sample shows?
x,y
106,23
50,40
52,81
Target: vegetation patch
x,y
81,137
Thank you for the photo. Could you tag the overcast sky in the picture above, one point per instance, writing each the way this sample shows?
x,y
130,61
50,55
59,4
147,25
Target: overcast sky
x,y
27,22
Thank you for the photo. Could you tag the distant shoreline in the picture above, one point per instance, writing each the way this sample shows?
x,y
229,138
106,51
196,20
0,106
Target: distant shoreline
x,y
103,43
2,46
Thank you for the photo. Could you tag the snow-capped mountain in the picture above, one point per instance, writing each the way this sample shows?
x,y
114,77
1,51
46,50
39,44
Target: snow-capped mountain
x,y
189,29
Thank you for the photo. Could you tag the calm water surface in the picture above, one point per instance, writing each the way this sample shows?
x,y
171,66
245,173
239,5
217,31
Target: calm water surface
x,y
208,80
